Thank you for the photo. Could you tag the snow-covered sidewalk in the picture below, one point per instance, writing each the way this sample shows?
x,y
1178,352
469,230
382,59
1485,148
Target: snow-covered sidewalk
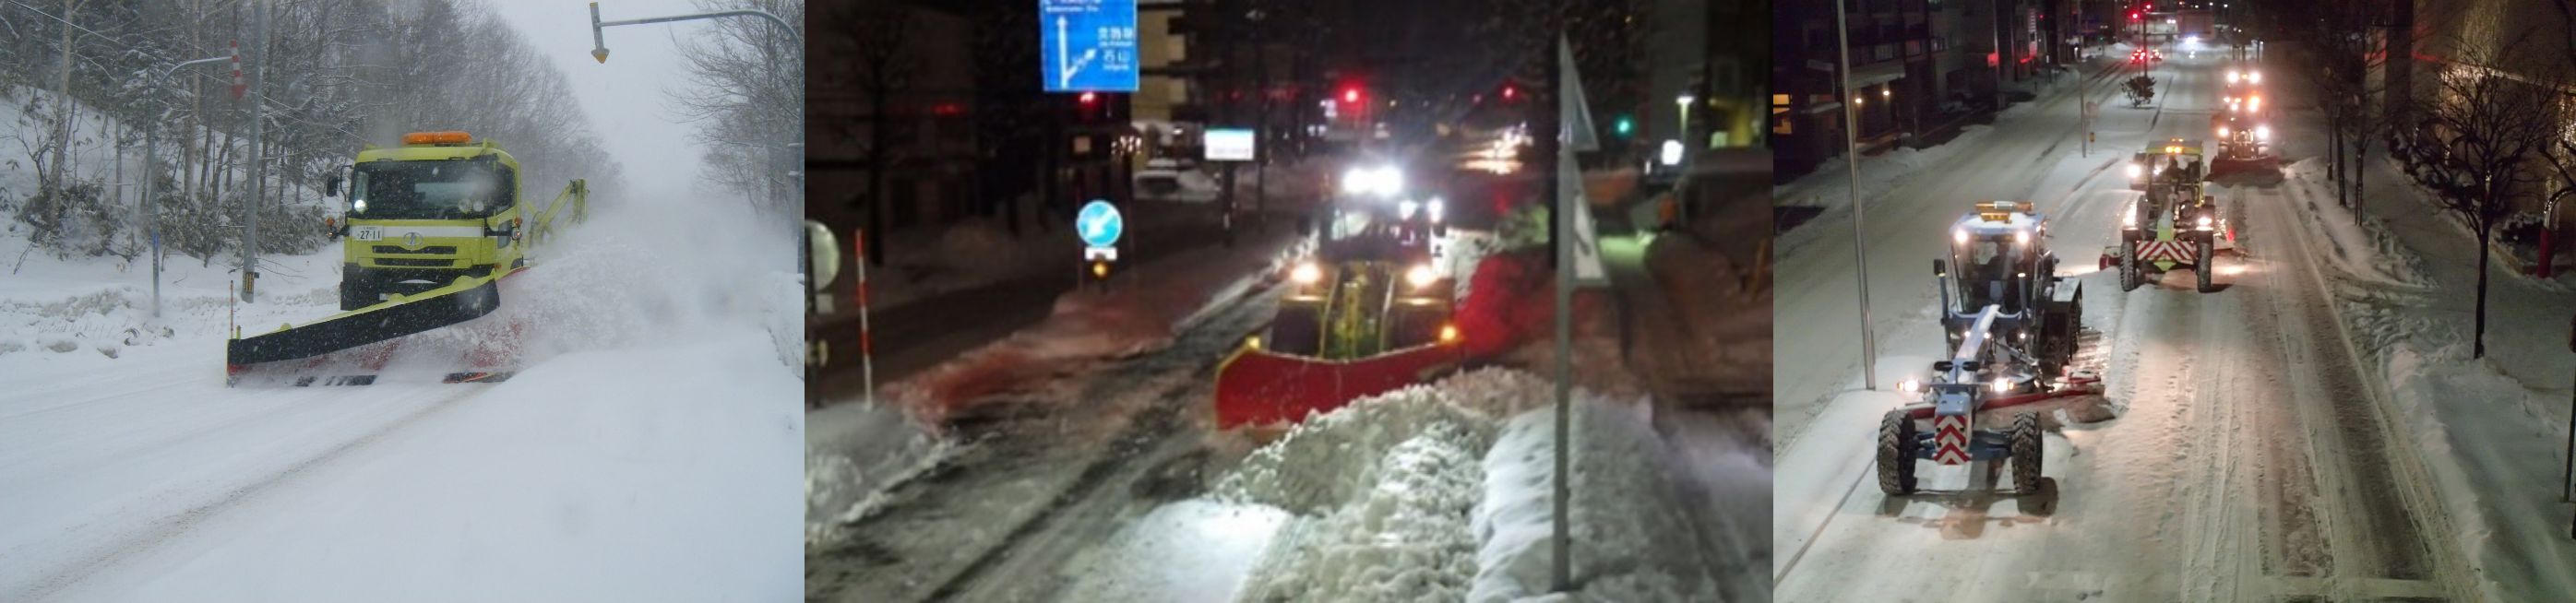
x,y
2493,430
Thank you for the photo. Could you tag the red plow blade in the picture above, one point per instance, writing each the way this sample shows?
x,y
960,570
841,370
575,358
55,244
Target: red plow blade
x,y
1256,387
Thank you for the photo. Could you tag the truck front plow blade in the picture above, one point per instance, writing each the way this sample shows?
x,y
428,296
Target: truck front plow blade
x,y
1259,388
444,332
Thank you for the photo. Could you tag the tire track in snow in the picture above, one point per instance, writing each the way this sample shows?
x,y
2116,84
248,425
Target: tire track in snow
x,y
155,532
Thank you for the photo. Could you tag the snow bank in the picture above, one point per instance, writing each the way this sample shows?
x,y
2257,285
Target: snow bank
x,y
1631,537
1192,551
1429,493
853,454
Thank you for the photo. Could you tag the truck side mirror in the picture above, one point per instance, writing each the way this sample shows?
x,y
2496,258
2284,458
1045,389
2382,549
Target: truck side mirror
x,y
331,187
1940,268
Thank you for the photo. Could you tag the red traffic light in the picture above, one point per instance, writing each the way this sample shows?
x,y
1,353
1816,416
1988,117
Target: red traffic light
x,y
1090,97
1510,92
1350,95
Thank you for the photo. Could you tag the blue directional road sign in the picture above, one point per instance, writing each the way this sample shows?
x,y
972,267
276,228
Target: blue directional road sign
x,y
1099,223
1087,45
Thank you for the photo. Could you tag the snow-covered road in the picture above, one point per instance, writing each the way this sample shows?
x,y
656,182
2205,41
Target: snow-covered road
x,y
2253,455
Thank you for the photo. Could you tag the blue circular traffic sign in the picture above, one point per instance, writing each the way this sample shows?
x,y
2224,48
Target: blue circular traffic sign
x,y
1099,223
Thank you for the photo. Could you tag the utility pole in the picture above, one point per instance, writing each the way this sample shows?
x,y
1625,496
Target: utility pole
x,y
1851,162
259,149
151,162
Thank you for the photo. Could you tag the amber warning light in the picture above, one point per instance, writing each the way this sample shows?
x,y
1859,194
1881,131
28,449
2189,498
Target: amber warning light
x,y
449,137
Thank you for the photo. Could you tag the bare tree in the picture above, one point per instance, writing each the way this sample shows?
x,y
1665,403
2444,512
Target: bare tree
x,y
2342,49
751,95
875,35
2475,144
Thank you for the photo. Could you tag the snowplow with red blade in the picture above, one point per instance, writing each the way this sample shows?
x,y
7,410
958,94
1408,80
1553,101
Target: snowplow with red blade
x,y
1367,311
435,229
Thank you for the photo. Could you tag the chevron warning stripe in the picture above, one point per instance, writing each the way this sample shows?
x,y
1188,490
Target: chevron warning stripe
x,y
2167,251
1950,439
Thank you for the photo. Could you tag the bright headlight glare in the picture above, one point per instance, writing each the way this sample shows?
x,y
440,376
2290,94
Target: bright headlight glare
x,y
1404,210
2222,131
2022,237
2204,223
1355,181
2263,132
1306,273
1421,275
2254,76
1438,208
2002,385
1909,386
2135,171
359,205
1961,236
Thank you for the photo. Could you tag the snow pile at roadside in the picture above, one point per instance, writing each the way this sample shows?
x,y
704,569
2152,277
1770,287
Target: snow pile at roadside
x,y
2358,252
1429,493
1631,535
854,453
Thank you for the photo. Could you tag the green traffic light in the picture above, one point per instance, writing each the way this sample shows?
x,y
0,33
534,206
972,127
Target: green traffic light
x,y
1625,125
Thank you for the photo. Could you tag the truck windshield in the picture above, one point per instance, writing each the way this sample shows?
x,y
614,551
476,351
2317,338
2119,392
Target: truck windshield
x,y
428,190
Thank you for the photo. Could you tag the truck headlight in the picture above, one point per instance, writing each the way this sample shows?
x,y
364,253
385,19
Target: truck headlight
x,y
1306,273
1404,210
1909,386
1437,208
358,206
2262,132
1960,236
1421,276
2222,131
2204,223
1356,181
2129,218
2003,384
2254,77
2135,171
2232,76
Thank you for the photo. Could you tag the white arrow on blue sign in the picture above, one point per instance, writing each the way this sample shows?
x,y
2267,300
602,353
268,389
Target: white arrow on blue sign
x,y
1099,223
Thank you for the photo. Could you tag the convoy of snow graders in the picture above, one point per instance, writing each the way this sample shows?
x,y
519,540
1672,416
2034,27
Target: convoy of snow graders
x,y
2012,324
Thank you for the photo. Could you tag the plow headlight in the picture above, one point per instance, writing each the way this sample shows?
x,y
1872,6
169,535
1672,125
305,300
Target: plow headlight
x,y
2135,171
2262,132
2222,131
2204,222
1404,210
2254,77
2254,104
2021,237
1306,273
2002,384
1421,276
1959,235
2232,76
1909,386
1448,333
2129,219
1437,208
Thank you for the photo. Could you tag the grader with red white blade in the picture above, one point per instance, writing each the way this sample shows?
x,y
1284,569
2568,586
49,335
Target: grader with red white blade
x,y
435,229
2012,326
2175,224
1367,311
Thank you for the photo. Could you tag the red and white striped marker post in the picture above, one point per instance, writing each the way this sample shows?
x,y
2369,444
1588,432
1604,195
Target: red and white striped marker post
x,y
867,347
239,86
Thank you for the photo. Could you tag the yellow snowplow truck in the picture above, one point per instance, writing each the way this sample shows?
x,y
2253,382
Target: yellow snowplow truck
x,y
433,227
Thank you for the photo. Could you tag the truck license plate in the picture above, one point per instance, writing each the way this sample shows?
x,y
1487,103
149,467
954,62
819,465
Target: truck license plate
x,y
368,233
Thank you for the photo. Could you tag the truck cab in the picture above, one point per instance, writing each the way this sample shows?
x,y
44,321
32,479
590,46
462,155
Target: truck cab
x,y
420,215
